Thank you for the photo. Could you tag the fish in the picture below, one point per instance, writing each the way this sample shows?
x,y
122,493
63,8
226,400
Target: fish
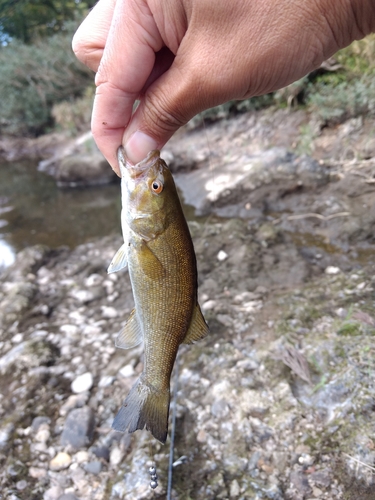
x,y
159,254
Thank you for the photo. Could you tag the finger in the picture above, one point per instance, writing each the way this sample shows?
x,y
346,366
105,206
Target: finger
x,y
127,62
170,102
89,40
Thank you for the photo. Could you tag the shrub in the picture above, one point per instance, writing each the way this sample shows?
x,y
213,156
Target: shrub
x,y
74,115
33,78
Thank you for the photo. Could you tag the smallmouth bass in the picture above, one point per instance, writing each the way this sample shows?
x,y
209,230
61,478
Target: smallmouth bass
x,y
159,254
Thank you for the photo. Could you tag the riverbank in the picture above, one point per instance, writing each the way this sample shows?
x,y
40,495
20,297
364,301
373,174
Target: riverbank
x,y
277,402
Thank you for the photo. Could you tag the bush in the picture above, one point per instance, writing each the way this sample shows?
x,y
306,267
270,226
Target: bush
x,y
343,101
35,77
74,115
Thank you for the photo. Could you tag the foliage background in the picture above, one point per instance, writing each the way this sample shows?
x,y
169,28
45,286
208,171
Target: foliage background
x,y
45,87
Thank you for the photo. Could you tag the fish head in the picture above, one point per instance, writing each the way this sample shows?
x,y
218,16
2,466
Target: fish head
x,y
148,189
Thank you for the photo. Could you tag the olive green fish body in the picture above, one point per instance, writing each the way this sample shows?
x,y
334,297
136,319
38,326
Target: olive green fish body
x,y
160,256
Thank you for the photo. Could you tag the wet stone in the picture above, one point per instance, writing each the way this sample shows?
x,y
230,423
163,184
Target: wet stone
x,y
79,428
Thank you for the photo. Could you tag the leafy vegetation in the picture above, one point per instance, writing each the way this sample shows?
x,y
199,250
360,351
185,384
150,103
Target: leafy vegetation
x,y
29,20
35,77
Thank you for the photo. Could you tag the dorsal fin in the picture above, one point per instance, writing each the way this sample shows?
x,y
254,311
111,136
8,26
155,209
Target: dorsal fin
x,y
131,335
198,328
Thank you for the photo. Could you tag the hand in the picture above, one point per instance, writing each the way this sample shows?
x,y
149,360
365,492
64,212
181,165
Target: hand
x,y
179,57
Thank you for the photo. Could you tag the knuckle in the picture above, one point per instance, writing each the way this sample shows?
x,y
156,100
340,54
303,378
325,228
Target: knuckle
x,y
164,112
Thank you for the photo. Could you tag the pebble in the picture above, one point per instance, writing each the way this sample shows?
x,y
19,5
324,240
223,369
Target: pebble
x,y
5,433
221,256
82,383
101,452
234,489
21,485
332,270
79,428
106,381
38,421
93,467
127,371
43,435
67,496
37,472
81,456
61,461
53,493
109,312
76,401
83,296
116,456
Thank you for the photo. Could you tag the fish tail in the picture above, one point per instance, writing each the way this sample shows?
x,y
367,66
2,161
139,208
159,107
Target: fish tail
x,y
145,406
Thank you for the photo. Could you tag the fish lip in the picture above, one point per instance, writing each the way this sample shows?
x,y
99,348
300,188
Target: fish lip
x,y
139,169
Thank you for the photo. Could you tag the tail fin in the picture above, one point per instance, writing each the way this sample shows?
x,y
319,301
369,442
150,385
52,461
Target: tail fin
x,y
144,406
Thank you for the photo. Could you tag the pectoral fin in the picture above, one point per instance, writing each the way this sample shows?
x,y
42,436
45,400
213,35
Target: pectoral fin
x,y
198,327
148,262
119,261
131,335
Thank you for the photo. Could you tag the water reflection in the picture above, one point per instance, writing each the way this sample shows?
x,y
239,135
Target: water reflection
x,y
33,210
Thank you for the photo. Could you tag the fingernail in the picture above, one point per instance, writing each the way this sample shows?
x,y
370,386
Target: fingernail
x,y
138,146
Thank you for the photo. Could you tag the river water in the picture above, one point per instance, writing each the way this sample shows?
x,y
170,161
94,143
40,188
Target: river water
x,y
33,211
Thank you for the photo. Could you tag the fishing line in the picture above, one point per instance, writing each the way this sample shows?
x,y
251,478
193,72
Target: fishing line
x,y
171,446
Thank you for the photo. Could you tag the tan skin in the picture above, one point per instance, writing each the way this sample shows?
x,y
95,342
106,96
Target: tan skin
x,y
180,57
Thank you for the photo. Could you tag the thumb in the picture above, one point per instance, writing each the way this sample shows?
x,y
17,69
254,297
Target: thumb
x,y
170,102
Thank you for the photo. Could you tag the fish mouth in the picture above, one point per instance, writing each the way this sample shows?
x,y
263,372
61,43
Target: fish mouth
x,y
139,169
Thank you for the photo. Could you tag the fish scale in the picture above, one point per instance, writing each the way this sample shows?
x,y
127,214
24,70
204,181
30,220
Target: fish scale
x,y
159,253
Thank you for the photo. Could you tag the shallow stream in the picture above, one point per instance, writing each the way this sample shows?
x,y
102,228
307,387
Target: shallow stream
x,y
34,211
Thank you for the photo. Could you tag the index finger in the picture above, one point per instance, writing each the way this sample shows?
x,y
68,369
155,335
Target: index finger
x,y
127,62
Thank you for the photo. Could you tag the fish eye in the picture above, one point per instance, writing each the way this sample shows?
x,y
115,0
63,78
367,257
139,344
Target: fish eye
x,y
157,186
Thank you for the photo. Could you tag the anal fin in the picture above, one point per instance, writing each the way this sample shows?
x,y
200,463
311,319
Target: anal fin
x,y
131,335
198,327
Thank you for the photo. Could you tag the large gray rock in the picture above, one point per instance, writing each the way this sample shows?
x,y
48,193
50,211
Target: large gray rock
x,y
84,170
79,428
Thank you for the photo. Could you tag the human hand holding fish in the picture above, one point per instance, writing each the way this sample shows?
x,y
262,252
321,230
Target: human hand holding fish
x,y
159,254
179,57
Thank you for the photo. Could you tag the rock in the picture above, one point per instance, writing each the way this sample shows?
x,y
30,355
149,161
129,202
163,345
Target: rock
x,y
235,490
127,371
37,472
81,457
93,467
5,434
106,381
38,421
116,456
82,383
60,461
74,401
53,493
83,170
101,452
67,496
79,428
29,354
